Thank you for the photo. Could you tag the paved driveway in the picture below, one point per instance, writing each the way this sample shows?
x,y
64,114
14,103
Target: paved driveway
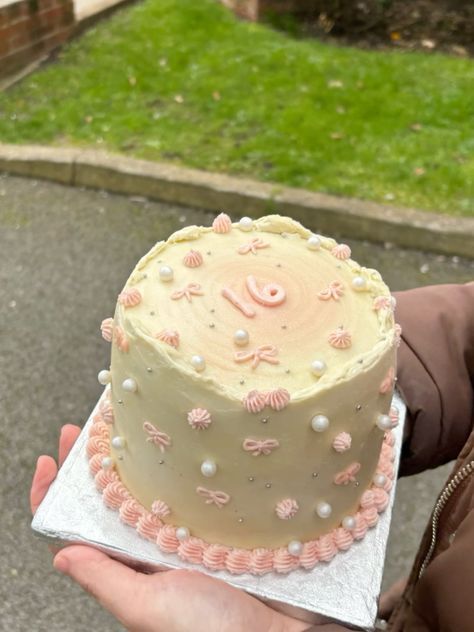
x,y
64,256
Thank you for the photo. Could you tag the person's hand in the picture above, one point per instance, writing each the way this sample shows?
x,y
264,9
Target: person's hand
x,y
171,601
390,598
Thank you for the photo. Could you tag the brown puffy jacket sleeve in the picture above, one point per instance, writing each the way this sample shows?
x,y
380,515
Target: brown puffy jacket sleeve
x,y
435,372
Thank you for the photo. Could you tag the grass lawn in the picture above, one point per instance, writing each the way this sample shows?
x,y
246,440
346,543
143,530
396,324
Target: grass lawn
x,y
186,82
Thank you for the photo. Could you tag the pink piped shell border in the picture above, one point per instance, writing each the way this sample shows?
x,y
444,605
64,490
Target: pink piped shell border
x,y
258,561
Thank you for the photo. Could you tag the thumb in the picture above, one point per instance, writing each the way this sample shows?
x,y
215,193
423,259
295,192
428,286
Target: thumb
x,y
110,582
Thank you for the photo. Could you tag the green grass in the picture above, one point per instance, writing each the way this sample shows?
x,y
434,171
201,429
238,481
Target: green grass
x,y
256,102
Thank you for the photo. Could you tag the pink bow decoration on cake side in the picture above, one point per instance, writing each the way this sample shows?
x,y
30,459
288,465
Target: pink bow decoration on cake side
x,y
348,475
255,244
260,446
219,499
264,353
156,436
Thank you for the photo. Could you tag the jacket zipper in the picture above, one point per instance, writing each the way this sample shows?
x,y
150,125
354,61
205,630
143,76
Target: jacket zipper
x,y
446,494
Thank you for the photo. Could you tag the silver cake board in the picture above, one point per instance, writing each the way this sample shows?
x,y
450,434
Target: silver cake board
x,y
345,590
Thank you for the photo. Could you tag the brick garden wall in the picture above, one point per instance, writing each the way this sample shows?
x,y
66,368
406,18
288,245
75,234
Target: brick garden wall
x,y
29,29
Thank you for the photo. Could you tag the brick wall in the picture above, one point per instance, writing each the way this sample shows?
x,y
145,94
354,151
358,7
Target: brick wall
x,y
29,29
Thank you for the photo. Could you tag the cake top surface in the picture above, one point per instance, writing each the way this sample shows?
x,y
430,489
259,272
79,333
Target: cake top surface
x,y
258,304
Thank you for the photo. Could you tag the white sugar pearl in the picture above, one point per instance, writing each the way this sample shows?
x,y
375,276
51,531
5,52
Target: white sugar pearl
x,y
241,337
319,423
349,523
107,462
359,283
295,547
384,422
208,468
118,442
129,385
323,509
380,480
104,377
318,367
313,243
198,362
166,273
182,533
246,224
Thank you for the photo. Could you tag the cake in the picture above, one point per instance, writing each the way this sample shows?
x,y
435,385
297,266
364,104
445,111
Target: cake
x,y
246,421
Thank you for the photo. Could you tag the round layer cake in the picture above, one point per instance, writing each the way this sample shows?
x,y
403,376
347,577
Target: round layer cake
x,y
249,412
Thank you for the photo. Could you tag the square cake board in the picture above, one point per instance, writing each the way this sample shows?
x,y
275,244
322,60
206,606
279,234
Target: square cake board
x,y
344,590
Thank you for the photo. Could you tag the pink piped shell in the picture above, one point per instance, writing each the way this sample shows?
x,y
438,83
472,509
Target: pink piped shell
x,y
286,508
214,556
361,527
97,445
167,540
277,399
326,547
309,556
381,498
199,418
342,538
130,511
160,508
191,550
222,223
99,429
371,516
394,416
341,251
237,561
130,297
254,401
284,562
104,478
95,464
148,526
342,442
340,339
387,382
367,500
382,302
261,561
121,339
107,329
107,412
398,334
193,259
115,493
170,336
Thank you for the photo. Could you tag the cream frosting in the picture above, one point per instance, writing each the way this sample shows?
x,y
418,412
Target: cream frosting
x,y
204,401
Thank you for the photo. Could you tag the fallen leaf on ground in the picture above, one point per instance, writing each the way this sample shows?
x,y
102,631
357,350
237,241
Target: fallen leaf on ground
x,y
179,99
336,135
216,95
335,83
416,127
132,81
395,36
419,171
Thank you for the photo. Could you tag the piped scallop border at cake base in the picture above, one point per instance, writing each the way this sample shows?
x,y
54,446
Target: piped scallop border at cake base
x,y
235,560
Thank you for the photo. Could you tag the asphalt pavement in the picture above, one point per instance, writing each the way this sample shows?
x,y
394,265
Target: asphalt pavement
x,y
64,255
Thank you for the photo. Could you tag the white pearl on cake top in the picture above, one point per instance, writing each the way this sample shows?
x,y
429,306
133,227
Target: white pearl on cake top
x,y
323,509
295,547
208,468
393,301
318,367
384,422
359,283
118,442
182,533
104,377
166,273
107,462
241,337
246,224
313,243
319,423
198,362
380,480
349,523
129,385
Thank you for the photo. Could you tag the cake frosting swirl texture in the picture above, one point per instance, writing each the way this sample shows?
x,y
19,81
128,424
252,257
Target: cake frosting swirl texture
x,y
251,376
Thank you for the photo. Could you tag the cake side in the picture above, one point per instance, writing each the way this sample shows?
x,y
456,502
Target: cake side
x,y
251,429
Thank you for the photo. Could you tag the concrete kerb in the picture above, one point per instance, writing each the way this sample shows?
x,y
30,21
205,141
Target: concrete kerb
x,y
239,196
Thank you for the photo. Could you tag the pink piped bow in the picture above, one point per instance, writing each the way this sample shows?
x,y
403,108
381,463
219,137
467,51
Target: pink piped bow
x,y
348,475
159,438
260,446
252,246
264,353
213,497
190,290
334,290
